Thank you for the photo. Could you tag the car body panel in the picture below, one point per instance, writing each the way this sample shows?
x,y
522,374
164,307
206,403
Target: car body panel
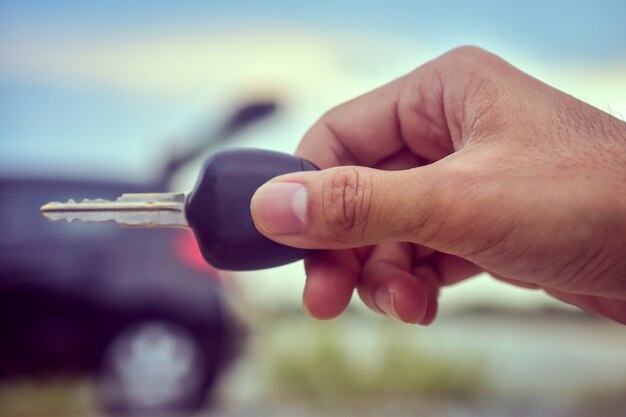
x,y
67,289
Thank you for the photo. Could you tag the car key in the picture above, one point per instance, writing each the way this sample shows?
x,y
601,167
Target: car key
x,y
217,210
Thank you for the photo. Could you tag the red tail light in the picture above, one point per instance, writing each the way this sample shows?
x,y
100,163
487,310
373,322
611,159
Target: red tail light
x,y
187,250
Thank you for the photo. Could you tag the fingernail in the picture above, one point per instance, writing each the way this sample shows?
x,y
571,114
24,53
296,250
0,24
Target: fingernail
x,y
385,302
280,207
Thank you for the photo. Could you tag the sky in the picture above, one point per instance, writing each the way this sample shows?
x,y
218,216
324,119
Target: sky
x,y
126,78
108,89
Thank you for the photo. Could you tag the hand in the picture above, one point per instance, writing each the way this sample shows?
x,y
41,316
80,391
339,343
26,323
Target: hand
x,y
464,165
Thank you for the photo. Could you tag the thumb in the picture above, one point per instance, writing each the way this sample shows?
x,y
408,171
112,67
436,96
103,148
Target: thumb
x,y
346,207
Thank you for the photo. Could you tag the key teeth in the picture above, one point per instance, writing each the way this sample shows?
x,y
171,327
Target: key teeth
x,y
129,210
89,201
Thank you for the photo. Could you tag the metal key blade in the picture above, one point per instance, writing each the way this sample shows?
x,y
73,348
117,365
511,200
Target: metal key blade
x,y
131,210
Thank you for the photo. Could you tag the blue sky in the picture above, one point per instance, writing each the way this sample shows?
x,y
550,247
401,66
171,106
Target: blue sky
x,y
72,116
62,116
571,30
53,117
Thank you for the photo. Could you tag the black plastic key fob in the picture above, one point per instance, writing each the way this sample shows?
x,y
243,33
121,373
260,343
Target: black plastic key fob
x,y
218,209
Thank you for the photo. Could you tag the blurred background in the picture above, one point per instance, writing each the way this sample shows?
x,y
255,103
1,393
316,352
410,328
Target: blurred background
x,y
100,98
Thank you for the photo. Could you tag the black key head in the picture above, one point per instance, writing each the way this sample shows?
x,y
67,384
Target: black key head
x,y
218,209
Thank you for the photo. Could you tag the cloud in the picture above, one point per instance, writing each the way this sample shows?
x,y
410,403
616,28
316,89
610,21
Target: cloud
x,y
186,64
297,64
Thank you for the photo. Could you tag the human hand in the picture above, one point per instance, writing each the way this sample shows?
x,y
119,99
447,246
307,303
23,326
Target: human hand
x,y
464,165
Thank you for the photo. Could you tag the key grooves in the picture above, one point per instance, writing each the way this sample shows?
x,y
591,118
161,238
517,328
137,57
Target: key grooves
x,y
95,209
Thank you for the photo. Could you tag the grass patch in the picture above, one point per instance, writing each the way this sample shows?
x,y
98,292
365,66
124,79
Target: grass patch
x,y
46,397
323,368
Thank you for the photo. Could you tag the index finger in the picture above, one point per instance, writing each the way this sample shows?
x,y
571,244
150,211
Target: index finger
x,y
362,131
406,115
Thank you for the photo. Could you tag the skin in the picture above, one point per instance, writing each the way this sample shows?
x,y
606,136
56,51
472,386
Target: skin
x,y
465,165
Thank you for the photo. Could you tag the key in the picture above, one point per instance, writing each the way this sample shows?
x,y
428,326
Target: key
x,y
217,210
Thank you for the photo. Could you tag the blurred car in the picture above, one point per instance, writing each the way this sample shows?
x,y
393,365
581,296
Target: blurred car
x,y
133,306
139,308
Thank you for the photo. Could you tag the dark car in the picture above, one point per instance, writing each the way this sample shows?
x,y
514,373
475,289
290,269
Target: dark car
x,y
138,308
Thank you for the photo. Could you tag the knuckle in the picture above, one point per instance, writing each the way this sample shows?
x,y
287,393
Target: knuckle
x,y
471,51
469,65
472,55
346,201
480,95
471,90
